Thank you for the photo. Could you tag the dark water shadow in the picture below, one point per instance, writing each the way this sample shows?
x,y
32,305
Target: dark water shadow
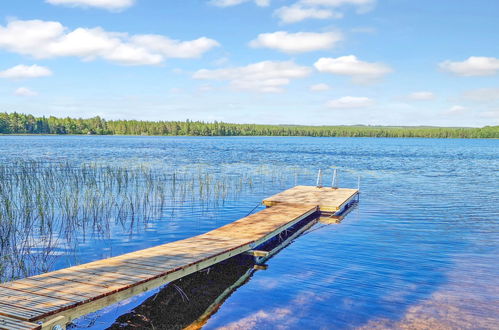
x,y
189,300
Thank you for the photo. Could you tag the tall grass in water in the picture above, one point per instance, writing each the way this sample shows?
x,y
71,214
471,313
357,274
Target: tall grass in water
x,y
45,204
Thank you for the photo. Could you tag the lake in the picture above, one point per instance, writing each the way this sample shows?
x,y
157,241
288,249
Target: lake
x,y
420,249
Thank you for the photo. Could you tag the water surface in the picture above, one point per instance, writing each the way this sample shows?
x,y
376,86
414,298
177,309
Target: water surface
x,y
421,248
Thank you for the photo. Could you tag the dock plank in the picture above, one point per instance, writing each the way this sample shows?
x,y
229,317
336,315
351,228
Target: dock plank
x,y
18,298
18,312
53,283
9,323
22,287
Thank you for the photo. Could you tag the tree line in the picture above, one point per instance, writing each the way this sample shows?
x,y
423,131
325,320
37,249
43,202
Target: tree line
x,y
16,123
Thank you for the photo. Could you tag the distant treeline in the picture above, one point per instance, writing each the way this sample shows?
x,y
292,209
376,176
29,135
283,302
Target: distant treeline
x,y
15,123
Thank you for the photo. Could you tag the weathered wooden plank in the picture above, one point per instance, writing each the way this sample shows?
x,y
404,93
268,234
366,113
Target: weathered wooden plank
x,y
19,312
70,296
104,281
120,272
31,300
9,292
38,306
9,323
157,263
56,284
30,288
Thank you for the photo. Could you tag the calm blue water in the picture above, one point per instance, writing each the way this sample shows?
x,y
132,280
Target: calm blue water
x,y
420,250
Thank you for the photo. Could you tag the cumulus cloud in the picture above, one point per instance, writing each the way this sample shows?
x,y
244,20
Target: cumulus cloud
x,y
319,87
361,72
265,77
174,48
350,102
112,5
230,3
319,9
297,13
297,42
45,39
23,91
473,66
421,96
25,71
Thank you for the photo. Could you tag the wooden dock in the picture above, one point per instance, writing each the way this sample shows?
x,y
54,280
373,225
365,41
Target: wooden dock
x,y
54,299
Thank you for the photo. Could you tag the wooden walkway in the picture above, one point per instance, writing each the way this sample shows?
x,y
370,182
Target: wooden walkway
x,y
57,298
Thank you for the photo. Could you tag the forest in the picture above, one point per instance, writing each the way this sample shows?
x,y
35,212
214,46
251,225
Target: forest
x,y
16,123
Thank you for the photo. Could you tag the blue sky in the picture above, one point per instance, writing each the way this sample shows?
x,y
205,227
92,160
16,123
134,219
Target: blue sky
x,y
319,62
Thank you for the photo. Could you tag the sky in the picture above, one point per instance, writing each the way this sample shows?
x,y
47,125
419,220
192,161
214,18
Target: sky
x,y
306,62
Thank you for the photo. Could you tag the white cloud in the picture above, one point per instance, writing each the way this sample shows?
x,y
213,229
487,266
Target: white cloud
x,y
457,109
421,96
24,72
319,9
174,48
230,3
473,66
297,42
350,102
361,72
23,91
43,39
265,77
363,6
319,87
112,5
297,13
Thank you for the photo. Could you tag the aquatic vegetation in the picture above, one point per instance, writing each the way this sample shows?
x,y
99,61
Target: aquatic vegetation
x,y
44,203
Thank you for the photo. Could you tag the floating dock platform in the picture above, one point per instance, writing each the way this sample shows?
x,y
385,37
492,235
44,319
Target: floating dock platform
x,y
328,200
54,299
